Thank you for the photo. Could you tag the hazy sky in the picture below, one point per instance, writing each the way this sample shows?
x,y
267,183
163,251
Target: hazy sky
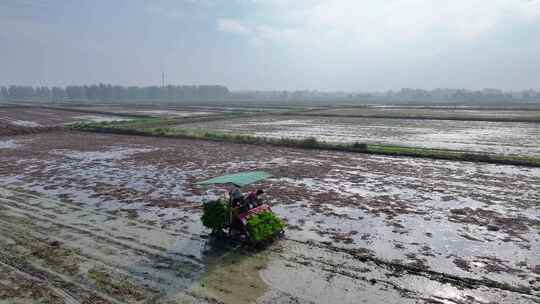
x,y
356,45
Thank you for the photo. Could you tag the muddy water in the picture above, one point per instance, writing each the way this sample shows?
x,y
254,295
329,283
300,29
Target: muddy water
x,y
413,219
24,123
8,144
352,219
233,276
154,111
440,113
495,137
100,118
38,117
319,275
173,113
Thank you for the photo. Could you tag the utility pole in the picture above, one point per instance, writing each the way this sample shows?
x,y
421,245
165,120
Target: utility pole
x,y
162,79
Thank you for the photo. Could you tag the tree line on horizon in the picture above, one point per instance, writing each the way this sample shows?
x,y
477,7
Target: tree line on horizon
x,y
189,93
108,92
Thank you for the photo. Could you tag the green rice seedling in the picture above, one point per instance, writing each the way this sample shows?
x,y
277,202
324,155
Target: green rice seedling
x,y
215,215
264,226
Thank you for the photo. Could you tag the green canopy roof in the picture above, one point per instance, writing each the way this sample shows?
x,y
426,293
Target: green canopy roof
x,y
240,179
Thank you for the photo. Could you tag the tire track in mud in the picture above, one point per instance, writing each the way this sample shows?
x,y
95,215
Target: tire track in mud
x,y
43,215
123,241
352,273
67,297
43,274
94,259
45,218
127,242
142,251
60,284
8,192
373,272
46,215
399,268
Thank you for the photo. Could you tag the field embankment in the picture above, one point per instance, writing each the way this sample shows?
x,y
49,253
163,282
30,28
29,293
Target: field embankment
x,y
161,128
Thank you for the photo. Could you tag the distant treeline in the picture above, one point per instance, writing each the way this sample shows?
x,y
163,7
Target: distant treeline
x,y
459,96
107,92
403,96
211,93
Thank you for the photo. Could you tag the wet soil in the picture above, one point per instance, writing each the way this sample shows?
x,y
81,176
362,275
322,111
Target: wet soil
x,y
119,216
36,117
7,129
233,276
442,113
474,136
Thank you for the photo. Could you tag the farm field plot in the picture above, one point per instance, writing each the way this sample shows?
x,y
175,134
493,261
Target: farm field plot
x,y
116,219
254,108
442,113
180,111
477,136
153,111
41,117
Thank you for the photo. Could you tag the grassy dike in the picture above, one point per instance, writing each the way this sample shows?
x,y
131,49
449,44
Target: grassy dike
x,y
158,128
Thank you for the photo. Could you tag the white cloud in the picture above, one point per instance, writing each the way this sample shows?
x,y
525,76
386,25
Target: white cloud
x,y
375,22
233,26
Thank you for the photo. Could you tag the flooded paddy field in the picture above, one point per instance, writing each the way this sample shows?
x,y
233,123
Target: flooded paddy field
x,y
477,136
181,111
115,219
151,111
433,112
35,117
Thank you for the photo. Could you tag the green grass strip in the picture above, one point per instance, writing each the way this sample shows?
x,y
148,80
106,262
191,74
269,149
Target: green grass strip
x,y
147,127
